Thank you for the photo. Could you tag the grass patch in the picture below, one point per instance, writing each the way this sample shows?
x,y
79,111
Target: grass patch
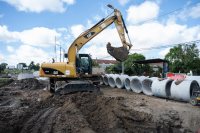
x,y
2,76
2,81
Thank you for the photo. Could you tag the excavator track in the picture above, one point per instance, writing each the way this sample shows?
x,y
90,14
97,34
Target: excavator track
x,y
119,53
63,87
76,86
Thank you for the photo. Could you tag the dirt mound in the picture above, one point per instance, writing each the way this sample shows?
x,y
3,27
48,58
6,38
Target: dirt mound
x,y
30,84
7,83
80,113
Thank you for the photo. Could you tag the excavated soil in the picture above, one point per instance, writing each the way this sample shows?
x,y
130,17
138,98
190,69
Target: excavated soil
x,y
25,106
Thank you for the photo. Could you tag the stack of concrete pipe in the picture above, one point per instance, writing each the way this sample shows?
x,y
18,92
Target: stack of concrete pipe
x,y
166,88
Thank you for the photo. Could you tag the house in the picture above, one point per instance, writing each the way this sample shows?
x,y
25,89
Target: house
x,y
155,65
104,63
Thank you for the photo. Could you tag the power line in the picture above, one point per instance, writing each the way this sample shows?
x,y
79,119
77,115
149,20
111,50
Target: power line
x,y
168,13
166,46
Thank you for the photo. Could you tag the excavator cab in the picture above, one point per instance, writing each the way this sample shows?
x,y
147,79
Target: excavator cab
x,y
84,64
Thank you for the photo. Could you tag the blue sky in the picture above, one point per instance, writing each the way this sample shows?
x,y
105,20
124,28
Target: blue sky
x,y
28,27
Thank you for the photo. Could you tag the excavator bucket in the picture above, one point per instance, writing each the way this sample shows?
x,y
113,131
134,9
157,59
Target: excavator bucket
x,y
119,53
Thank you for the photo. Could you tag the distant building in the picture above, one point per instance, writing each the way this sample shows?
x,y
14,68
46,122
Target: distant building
x,y
155,65
105,63
10,67
19,66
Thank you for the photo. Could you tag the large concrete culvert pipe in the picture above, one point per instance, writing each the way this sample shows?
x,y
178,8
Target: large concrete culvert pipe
x,y
162,88
183,91
105,78
101,79
197,78
120,81
112,80
136,84
147,86
128,82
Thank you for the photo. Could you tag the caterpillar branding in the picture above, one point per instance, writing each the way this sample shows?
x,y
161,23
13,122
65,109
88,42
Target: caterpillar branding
x,y
89,35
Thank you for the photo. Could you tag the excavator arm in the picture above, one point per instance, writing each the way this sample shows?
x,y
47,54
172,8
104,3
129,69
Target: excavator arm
x,y
95,30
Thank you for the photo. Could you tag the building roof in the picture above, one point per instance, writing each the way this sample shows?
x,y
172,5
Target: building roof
x,y
150,61
105,61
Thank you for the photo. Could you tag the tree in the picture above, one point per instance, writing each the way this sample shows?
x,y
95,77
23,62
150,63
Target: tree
x,y
95,64
184,58
32,65
3,65
37,66
24,64
133,68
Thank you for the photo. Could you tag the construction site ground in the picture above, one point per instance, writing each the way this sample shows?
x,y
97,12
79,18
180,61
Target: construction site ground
x,y
26,106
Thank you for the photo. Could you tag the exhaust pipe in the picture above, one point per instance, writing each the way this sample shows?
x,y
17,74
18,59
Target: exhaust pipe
x,y
136,84
120,81
147,86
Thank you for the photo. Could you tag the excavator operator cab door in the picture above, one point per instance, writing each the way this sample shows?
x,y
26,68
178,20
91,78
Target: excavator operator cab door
x,y
84,64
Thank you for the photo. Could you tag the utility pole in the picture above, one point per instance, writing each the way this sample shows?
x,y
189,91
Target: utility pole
x,y
60,53
63,54
55,49
122,68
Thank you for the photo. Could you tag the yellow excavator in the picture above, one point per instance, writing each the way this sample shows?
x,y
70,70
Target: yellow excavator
x,y
76,73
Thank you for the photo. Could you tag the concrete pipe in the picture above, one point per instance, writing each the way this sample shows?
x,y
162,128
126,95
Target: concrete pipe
x,y
147,86
183,91
136,84
162,88
101,79
25,75
197,78
112,80
128,82
105,78
120,81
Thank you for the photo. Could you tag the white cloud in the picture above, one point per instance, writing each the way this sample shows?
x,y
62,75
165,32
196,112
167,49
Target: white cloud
x,y
97,17
38,36
40,5
193,12
69,2
76,30
104,10
67,37
145,11
62,29
26,54
7,36
2,58
10,49
1,15
123,2
163,52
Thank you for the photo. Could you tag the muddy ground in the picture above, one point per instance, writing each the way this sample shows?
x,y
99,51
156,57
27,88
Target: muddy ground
x,y
26,106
